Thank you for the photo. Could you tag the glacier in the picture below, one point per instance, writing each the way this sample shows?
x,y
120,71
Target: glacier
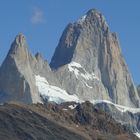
x,y
52,93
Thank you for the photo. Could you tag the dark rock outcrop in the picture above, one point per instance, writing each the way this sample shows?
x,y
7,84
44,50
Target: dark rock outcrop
x,y
55,122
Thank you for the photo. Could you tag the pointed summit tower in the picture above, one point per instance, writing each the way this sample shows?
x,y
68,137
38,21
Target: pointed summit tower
x,y
79,37
89,62
16,76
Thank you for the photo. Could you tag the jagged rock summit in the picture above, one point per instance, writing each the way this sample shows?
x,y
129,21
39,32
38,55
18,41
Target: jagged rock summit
x,y
18,73
87,65
88,62
94,22
27,78
16,78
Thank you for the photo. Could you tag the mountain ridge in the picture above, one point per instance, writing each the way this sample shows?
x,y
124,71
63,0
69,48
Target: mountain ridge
x,y
87,71
91,44
87,61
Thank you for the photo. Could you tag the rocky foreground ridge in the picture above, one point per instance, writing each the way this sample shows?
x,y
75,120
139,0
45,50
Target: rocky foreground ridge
x,y
87,65
59,122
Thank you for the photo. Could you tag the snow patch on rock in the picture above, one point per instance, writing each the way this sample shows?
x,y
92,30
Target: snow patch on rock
x,y
87,84
72,106
75,68
137,134
119,107
53,93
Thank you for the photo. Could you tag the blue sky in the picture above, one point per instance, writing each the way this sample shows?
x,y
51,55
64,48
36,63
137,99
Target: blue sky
x,y
43,21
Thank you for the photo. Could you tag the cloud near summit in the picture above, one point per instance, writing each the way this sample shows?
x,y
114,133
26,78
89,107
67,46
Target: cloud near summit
x,y
38,16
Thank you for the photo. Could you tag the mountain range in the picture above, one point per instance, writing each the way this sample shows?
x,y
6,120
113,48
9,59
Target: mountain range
x,y
87,65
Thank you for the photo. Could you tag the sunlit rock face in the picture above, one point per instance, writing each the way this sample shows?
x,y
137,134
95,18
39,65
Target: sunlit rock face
x,y
16,77
90,44
87,65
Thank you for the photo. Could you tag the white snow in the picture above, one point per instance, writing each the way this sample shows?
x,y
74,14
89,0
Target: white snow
x,y
119,107
137,134
58,95
72,106
77,125
75,64
89,76
53,93
74,67
87,84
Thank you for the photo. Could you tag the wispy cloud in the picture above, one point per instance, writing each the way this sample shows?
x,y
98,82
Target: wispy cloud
x,y
38,16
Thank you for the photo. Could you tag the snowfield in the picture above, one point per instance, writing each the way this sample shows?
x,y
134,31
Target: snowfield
x,y
53,93
137,134
58,95
119,107
72,106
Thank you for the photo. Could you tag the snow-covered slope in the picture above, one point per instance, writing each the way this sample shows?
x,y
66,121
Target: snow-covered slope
x,y
119,107
137,134
125,115
53,93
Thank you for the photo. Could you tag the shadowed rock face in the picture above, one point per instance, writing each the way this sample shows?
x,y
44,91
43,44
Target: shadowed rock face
x,y
86,31
64,53
90,43
52,122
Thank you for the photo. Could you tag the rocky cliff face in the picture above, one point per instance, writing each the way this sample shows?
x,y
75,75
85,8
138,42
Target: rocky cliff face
x,y
17,73
88,65
88,62
16,82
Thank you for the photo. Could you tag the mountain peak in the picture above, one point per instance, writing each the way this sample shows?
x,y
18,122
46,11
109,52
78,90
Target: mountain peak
x,y
91,44
93,11
16,71
95,15
94,18
20,39
19,45
88,30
